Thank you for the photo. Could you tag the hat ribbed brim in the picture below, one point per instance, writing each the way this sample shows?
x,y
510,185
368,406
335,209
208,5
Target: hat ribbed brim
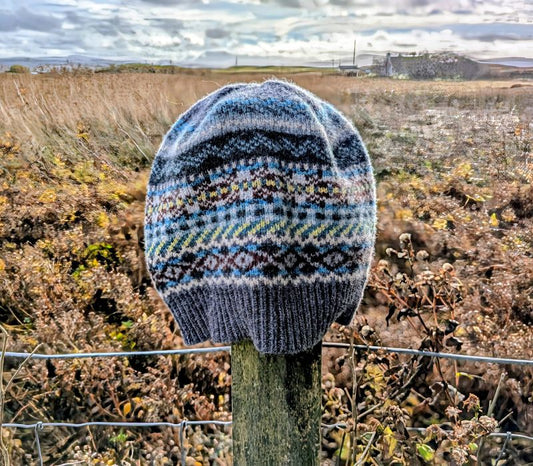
x,y
278,319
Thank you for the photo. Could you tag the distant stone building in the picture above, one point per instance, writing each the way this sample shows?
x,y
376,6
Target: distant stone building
x,y
350,70
430,66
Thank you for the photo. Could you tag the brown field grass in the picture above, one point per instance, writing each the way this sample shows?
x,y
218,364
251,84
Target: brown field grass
x,y
454,171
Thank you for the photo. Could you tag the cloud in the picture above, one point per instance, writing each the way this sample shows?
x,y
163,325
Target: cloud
x,y
7,22
291,3
113,27
493,31
168,2
495,37
216,33
170,26
417,2
292,30
24,19
313,3
406,45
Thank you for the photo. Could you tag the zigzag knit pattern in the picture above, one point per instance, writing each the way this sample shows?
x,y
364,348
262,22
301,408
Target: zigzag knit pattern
x,y
260,218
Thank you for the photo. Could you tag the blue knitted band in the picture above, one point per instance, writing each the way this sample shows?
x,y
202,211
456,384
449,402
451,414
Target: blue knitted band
x,y
260,218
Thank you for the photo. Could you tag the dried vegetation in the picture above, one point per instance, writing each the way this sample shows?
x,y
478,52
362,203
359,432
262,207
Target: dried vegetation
x,y
453,271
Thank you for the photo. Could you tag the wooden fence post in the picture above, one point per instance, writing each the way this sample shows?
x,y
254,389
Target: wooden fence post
x,y
276,407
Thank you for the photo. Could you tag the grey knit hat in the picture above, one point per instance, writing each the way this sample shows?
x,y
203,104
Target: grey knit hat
x,y
260,218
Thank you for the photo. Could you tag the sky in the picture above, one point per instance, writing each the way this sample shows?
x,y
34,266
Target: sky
x,y
263,31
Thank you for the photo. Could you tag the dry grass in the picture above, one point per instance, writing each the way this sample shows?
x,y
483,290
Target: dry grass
x,y
140,107
453,163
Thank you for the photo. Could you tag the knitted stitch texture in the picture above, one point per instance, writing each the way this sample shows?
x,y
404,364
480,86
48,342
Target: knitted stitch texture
x,y
260,218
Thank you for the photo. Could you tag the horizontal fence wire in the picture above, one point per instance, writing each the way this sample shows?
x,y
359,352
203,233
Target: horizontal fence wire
x,y
435,354
113,354
327,344
421,430
41,425
339,425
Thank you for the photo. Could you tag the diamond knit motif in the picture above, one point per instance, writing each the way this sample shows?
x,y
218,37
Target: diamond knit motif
x,y
260,217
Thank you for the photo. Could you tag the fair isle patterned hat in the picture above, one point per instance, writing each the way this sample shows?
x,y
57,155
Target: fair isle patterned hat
x,y
261,218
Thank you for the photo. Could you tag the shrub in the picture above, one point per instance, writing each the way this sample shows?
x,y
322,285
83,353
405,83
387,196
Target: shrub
x,y
19,69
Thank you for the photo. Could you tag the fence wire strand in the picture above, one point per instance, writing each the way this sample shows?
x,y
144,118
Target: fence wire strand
x,y
37,428
41,425
327,344
339,425
504,446
183,433
113,354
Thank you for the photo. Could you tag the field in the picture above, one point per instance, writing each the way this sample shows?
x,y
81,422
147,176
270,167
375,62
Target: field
x,y
453,271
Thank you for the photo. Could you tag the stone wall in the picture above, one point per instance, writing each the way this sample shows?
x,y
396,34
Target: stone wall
x,y
431,66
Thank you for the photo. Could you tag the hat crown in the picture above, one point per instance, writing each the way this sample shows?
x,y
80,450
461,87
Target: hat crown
x,y
260,217
273,106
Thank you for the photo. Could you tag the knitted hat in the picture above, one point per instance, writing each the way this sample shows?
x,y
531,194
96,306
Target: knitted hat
x,y
260,218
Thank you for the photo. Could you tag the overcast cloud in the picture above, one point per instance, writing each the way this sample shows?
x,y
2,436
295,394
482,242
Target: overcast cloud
x,y
265,31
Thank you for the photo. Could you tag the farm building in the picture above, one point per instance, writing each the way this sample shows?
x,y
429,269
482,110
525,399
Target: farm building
x,y
430,66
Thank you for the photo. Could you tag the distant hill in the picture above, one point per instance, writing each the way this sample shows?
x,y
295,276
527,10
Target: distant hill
x,y
70,60
518,62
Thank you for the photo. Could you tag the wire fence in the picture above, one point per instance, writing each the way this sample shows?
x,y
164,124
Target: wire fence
x,y
328,344
183,425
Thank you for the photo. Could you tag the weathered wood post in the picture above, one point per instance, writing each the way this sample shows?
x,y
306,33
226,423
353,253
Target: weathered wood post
x,y
276,406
